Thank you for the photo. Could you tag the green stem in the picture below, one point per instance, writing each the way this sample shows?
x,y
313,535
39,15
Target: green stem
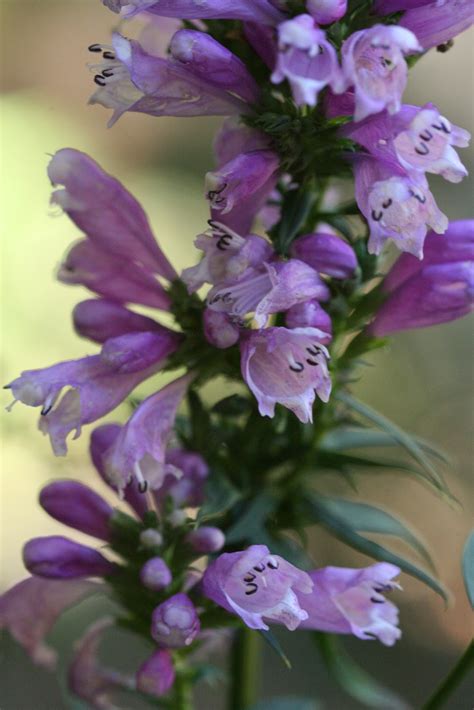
x,y
245,668
452,680
183,693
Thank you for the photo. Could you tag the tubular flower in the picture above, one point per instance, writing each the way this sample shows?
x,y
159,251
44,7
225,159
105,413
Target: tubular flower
x,y
77,506
309,314
327,254
130,79
252,10
351,601
187,490
175,622
156,675
373,63
397,207
273,290
57,557
220,330
436,290
288,367
435,23
326,11
258,586
100,319
305,58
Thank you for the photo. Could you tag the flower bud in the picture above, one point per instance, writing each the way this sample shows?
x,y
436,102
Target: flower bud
x,y
58,557
155,574
151,538
175,622
326,11
327,254
99,319
76,505
156,675
219,329
310,315
206,539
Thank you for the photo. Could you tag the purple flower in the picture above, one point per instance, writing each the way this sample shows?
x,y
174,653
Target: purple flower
x,y
305,58
227,256
209,60
130,79
326,11
241,178
77,506
310,315
257,585
112,276
188,489
373,63
140,448
438,289
30,609
101,441
286,366
220,329
87,678
155,574
263,41
104,210
57,557
326,253
96,384
175,622
351,601
206,539
273,289
156,675
254,10
397,207
435,23
99,319
234,138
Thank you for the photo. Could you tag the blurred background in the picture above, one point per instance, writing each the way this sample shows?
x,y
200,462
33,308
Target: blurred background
x,y
423,382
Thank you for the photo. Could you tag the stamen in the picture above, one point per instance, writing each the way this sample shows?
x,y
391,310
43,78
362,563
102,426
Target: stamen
x,y
108,55
314,350
249,577
94,48
377,601
426,135
252,588
312,362
297,367
421,198
422,150
142,484
100,80
387,204
376,216
441,127
272,563
259,568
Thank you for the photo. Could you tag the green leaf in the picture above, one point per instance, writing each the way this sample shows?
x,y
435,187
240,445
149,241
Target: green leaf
x,y
350,437
220,496
401,437
463,667
366,518
296,207
353,679
251,522
289,702
201,429
468,567
232,406
342,529
274,644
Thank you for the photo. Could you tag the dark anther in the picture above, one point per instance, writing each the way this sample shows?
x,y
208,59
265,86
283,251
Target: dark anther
x,y
312,362
108,55
441,127
445,46
421,198
108,72
381,588
297,367
387,204
252,588
377,601
372,636
422,150
249,577
316,350
129,479
259,568
426,135
376,216
7,387
143,486
94,48
273,564
99,80
46,410
223,243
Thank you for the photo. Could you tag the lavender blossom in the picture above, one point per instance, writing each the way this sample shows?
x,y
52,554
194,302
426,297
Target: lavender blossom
x,y
397,206
175,622
77,506
130,79
100,319
326,253
309,314
273,289
206,539
326,11
140,448
155,574
30,609
436,290
253,10
373,63
288,367
57,557
220,329
435,23
156,675
351,601
105,211
186,490
305,58
262,40
258,586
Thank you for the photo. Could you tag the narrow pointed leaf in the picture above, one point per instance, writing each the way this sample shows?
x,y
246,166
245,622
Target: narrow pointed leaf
x,y
468,567
290,702
275,645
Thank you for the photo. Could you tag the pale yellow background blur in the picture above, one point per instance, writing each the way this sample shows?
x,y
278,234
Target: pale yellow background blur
x,y
424,382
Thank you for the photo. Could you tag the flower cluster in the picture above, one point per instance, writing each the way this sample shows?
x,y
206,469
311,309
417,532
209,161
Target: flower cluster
x,y
312,92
